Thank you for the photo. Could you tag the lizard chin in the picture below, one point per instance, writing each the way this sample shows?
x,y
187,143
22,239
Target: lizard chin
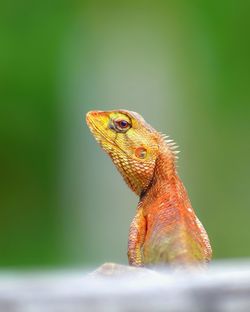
x,y
109,146
95,130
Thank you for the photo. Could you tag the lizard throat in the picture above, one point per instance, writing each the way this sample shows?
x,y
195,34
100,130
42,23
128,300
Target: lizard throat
x,y
164,174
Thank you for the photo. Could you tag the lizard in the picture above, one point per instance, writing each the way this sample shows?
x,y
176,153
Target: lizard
x,y
165,229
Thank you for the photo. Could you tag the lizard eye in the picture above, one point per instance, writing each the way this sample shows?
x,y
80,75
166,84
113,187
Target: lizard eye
x,y
121,125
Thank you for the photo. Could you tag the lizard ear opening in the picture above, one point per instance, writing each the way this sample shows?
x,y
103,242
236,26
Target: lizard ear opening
x,y
141,152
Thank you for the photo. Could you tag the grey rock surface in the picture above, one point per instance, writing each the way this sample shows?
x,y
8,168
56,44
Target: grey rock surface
x,y
225,286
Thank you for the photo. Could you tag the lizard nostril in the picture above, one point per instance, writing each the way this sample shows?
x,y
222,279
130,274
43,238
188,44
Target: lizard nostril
x,y
93,113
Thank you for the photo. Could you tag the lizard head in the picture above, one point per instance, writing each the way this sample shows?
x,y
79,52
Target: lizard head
x,y
132,144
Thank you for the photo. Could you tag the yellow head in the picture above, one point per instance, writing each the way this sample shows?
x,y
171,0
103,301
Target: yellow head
x,y
131,143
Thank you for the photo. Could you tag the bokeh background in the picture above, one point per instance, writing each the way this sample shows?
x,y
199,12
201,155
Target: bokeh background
x,y
183,66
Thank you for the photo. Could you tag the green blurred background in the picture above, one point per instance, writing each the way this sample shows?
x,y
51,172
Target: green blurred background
x,y
184,66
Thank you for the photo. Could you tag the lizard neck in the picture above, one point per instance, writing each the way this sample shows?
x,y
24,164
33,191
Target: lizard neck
x,y
170,215
166,186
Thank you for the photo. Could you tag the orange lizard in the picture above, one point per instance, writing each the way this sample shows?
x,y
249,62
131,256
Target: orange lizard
x,y
165,228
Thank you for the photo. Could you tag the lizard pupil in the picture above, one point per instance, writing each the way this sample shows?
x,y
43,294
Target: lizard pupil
x,y
123,123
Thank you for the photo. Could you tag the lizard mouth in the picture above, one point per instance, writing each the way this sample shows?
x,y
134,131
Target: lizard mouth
x,y
97,132
101,137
